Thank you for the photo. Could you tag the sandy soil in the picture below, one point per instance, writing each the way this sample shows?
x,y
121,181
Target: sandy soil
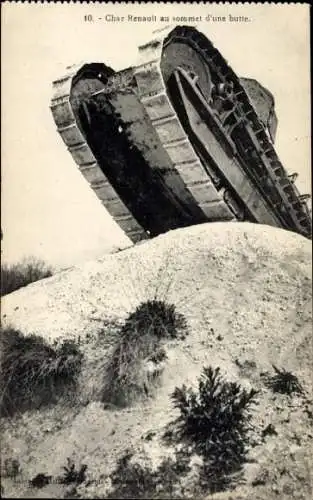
x,y
246,292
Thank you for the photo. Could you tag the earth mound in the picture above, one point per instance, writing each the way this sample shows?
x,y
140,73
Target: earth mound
x,y
245,291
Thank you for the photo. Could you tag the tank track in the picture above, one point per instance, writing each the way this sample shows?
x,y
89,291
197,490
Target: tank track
x,y
288,211
184,161
68,129
153,126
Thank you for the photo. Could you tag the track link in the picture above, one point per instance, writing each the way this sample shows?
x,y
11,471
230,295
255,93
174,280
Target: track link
x,y
68,128
185,162
288,210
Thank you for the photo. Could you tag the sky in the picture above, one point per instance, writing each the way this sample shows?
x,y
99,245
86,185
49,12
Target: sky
x,y
48,209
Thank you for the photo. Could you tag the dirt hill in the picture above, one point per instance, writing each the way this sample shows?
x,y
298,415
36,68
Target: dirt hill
x,y
245,291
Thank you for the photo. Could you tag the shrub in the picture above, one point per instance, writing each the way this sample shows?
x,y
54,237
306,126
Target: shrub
x,y
12,467
139,341
284,382
214,420
16,276
34,373
40,481
133,480
73,475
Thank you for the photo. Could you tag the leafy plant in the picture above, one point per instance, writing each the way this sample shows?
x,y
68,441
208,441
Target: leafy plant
x,y
72,475
215,421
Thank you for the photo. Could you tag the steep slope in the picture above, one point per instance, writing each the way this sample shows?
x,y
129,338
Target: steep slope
x,y
245,291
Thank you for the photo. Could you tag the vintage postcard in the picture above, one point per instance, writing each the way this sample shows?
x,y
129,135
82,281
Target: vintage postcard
x,y
156,336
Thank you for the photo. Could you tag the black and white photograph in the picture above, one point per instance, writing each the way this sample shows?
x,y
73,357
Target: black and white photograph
x,y
156,258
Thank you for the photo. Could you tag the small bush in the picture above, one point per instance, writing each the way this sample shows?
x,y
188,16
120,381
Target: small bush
x,y
73,475
40,481
284,382
34,373
16,276
133,480
214,420
12,467
139,341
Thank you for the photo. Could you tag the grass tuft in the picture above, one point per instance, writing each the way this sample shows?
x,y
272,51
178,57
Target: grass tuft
x,y
138,346
284,382
33,373
15,276
158,318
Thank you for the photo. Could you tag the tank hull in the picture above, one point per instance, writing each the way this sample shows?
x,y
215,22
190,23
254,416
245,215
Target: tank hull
x,y
177,140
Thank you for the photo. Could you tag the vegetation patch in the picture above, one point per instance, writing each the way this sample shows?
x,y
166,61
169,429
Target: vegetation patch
x,y
284,382
136,360
40,481
133,480
15,276
215,421
33,373
73,474
11,467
